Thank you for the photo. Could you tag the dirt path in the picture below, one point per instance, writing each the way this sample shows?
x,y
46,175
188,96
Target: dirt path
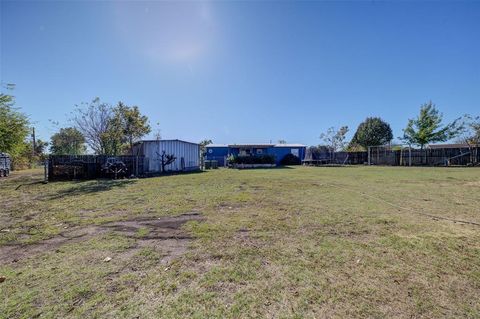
x,y
164,234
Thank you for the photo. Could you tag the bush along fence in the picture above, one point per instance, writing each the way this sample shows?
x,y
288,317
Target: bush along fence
x,y
252,161
70,167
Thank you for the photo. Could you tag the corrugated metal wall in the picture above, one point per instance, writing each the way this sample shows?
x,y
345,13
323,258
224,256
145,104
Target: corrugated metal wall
x,y
187,155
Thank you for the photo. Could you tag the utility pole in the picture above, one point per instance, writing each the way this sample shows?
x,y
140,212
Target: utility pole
x,y
34,142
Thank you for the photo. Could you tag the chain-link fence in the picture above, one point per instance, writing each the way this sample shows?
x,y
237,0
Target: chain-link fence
x,y
408,156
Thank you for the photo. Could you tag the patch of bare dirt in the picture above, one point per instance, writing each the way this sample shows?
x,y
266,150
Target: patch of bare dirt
x,y
164,234
476,183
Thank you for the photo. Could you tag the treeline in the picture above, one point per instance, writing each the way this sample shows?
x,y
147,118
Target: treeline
x,y
96,126
427,128
15,129
106,129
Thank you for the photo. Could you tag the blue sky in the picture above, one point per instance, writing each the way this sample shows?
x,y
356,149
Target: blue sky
x,y
243,71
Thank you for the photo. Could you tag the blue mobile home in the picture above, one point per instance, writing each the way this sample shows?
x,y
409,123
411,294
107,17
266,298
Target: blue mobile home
x,y
220,152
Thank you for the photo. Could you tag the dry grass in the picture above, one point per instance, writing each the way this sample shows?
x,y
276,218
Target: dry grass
x,y
281,243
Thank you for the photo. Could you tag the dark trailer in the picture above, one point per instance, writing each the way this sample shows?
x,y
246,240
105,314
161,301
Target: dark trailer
x,y
4,164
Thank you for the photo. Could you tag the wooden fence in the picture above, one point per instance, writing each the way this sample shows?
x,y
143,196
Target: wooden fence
x,y
69,167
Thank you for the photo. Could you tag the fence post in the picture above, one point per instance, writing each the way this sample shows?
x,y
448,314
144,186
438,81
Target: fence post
x,y
369,156
45,171
136,166
409,156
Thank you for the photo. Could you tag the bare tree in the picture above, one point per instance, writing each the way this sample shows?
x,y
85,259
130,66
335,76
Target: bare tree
x,y
166,159
335,139
93,120
471,136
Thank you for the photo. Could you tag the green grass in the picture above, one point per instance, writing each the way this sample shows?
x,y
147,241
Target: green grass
x,y
282,243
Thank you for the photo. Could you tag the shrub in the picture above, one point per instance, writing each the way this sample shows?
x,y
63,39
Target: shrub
x,y
263,159
290,159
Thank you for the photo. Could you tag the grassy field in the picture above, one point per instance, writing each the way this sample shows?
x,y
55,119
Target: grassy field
x,y
281,243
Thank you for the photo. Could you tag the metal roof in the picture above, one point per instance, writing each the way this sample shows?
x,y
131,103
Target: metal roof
x,y
251,145
290,145
458,145
259,145
155,141
217,145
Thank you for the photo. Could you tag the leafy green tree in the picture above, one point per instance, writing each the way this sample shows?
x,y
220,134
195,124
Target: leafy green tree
x,y
14,127
35,153
203,150
372,132
428,128
130,123
203,146
40,147
114,141
68,141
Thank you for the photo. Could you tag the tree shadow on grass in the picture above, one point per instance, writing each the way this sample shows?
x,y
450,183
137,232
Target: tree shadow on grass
x,y
78,188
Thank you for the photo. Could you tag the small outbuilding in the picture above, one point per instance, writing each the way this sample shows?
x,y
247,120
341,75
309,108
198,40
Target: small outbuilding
x,y
168,155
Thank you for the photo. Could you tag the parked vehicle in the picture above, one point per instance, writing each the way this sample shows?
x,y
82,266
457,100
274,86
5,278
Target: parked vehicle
x,y
4,164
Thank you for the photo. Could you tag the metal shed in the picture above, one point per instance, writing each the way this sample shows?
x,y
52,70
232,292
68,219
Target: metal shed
x,y
187,155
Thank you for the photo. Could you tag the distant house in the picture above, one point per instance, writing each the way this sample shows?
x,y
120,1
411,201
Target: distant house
x,y
187,155
220,152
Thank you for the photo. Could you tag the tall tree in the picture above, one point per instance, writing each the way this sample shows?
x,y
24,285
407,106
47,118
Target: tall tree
x,y
203,146
14,126
114,139
93,121
471,132
40,148
203,151
68,141
132,123
372,132
471,136
428,128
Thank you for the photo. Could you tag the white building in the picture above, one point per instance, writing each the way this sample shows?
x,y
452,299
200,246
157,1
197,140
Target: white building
x,y
187,155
